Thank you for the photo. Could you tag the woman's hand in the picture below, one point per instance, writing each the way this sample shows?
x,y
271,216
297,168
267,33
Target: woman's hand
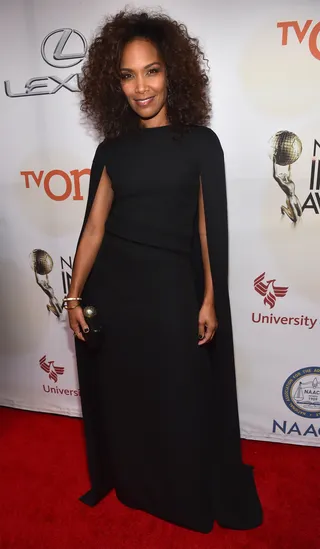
x,y
208,323
77,322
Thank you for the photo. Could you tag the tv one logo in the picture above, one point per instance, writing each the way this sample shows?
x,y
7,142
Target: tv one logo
x,y
57,184
308,31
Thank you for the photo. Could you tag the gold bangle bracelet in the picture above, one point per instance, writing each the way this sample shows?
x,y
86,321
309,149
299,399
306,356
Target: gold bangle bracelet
x,y
72,299
69,308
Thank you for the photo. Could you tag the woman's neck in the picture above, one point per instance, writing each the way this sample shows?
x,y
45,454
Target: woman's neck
x,y
157,121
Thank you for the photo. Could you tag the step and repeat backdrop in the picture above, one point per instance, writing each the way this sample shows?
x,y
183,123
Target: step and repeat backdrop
x,y
265,74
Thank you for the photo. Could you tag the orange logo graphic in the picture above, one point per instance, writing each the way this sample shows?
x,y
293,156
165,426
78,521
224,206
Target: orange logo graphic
x,y
268,290
71,183
301,34
50,368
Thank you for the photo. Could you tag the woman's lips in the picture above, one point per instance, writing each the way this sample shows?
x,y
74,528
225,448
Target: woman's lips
x,y
144,102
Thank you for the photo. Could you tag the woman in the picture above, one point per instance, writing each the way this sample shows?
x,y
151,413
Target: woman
x,y
159,396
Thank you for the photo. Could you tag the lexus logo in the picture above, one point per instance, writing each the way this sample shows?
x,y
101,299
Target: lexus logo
x,y
63,48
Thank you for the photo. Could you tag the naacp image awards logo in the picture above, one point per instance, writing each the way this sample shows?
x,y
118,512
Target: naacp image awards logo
x,y
42,264
285,149
301,392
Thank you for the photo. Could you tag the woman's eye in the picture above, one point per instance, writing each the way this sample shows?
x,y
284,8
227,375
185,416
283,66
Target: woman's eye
x,y
127,76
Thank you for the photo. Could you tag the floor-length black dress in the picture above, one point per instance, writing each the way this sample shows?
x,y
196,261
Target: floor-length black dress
x,y
160,412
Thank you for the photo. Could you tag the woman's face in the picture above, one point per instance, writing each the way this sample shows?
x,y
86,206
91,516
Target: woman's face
x,y
143,80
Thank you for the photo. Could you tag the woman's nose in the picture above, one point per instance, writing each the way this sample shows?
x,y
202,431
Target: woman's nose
x,y
141,85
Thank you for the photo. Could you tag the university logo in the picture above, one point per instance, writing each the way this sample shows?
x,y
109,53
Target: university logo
x,y
54,372
268,290
301,392
50,368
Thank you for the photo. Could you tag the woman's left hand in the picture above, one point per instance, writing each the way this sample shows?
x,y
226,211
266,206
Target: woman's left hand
x,y
208,323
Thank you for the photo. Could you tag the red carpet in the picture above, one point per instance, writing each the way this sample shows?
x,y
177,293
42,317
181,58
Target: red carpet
x,y
43,472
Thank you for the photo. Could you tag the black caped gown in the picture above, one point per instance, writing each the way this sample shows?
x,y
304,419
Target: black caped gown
x,y
160,412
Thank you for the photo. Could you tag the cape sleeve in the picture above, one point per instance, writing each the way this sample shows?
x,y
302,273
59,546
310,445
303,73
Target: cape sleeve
x,y
98,163
212,171
237,484
86,367
97,166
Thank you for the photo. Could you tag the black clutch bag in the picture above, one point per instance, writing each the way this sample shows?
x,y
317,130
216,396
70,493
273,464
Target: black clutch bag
x,y
94,337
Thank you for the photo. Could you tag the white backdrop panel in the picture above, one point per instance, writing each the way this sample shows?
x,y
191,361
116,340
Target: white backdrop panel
x,y
265,72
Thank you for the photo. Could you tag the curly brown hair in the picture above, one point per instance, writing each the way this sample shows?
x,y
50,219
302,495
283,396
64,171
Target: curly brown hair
x,y
102,99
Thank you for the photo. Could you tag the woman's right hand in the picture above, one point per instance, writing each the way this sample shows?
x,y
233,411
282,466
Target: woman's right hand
x,y
77,322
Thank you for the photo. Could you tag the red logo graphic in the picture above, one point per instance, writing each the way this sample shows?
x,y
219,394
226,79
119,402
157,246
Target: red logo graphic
x,y
50,368
268,290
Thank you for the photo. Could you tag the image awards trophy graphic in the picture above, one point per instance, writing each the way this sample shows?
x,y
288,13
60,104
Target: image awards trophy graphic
x,y
285,149
42,264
